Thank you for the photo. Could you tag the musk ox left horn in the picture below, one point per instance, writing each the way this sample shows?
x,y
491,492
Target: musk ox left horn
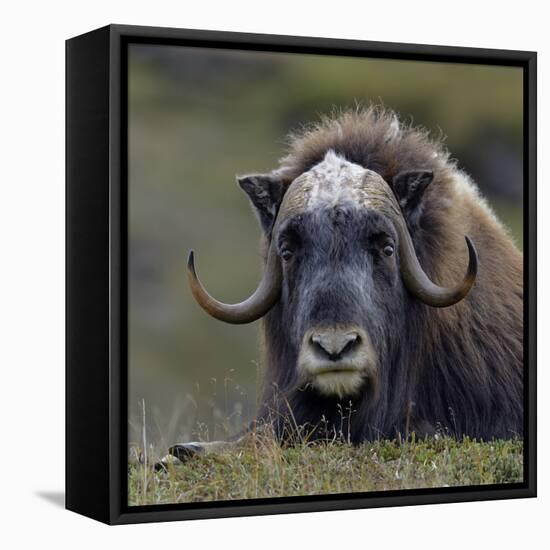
x,y
418,283
264,298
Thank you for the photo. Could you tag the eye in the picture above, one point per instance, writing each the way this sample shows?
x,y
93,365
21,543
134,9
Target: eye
x,y
288,243
388,249
286,254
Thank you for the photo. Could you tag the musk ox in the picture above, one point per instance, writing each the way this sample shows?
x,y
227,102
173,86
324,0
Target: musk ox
x,y
390,290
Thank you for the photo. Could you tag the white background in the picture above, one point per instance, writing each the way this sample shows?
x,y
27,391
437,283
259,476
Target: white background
x,y
32,272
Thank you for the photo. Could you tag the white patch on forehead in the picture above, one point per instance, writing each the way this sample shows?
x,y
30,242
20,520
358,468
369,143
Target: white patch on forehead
x,y
336,181
333,181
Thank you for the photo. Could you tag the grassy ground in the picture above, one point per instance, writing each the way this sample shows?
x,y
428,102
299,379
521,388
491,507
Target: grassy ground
x,y
261,468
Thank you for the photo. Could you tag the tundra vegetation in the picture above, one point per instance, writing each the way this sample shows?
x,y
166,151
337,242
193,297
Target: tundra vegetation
x,y
262,468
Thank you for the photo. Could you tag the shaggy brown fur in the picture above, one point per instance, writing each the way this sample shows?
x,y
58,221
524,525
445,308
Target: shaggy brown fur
x,y
466,361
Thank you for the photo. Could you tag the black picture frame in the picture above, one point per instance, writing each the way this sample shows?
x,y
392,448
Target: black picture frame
x,y
96,272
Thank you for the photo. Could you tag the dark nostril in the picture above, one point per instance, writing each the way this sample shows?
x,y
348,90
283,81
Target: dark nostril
x,y
352,342
333,345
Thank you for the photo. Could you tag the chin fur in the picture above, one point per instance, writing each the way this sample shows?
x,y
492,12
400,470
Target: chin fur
x,y
341,384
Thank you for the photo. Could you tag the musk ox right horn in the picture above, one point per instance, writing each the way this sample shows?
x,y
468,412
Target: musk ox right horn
x,y
264,298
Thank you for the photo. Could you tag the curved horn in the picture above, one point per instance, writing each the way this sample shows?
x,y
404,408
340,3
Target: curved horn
x,y
418,283
256,306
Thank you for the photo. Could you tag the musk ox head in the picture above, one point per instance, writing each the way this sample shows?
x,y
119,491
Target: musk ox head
x,y
340,266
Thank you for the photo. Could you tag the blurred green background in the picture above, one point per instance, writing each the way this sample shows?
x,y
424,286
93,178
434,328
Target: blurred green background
x,y
198,117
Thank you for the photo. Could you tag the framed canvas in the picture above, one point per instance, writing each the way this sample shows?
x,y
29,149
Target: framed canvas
x,y
301,274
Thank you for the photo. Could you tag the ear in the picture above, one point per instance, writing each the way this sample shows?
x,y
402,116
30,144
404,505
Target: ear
x,y
409,186
265,192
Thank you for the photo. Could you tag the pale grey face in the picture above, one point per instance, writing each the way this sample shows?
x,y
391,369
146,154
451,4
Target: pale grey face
x,y
336,355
